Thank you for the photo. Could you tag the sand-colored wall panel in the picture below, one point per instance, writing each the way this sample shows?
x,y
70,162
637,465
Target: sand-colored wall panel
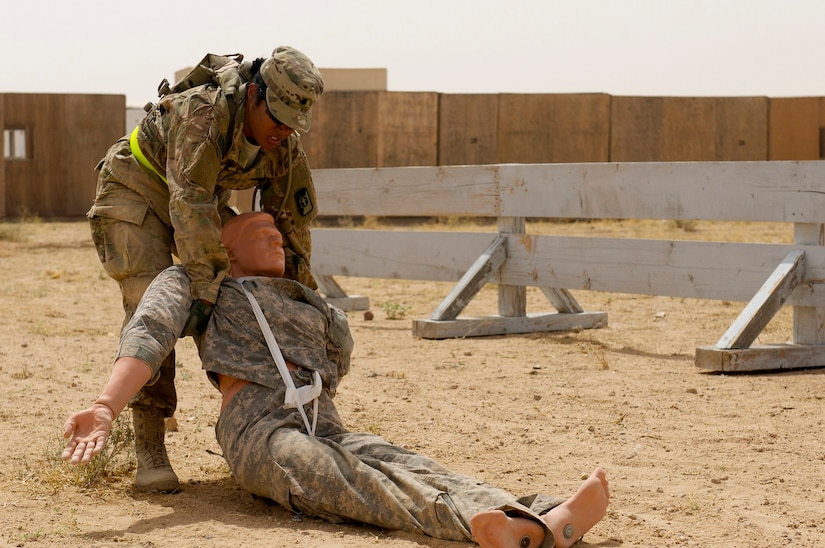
x,y
409,129
661,129
794,128
67,135
553,128
467,129
338,79
345,130
3,211
637,129
689,129
742,129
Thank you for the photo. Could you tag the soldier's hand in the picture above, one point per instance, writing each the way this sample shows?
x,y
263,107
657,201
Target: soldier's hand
x,y
198,318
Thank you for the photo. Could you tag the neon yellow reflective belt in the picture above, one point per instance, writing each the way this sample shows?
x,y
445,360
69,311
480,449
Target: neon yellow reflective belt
x,y
136,152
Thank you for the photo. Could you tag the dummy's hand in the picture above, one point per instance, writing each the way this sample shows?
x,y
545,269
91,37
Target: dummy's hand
x,y
86,432
199,314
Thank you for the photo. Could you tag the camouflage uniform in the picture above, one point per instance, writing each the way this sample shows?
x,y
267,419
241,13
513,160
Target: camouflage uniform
x,y
336,475
138,220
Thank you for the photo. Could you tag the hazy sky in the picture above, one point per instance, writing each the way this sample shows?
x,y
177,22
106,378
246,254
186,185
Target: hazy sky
x,y
622,47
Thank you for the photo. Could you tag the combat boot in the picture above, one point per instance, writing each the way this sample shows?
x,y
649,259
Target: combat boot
x,y
154,473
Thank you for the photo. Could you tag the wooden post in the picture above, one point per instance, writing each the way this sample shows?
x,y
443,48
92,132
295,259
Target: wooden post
x,y
809,322
512,299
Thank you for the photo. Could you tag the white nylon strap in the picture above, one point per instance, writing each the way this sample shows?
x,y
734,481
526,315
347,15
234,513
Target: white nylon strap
x,y
294,397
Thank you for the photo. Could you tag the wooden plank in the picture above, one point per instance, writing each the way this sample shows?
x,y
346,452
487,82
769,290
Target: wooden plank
x,y
409,129
90,125
328,286
345,130
656,129
562,300
553,127
335,295
512,299
809,293
760,358
67,134
793,128
689,129
498,325
350,303
436,256
742,129
809,321
767,301
3,206
467,125
470,191
701,270
723,191
473,280
637,129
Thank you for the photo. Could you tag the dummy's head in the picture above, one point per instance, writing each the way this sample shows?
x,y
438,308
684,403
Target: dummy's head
x,y
254,245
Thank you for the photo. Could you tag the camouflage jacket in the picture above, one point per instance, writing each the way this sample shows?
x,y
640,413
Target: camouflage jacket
x,y
309,332
195,139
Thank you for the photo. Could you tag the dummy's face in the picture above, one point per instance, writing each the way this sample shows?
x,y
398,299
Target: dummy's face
x,y
259,125
258,251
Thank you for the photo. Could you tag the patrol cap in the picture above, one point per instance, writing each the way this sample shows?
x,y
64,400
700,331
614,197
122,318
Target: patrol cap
x,y
293,85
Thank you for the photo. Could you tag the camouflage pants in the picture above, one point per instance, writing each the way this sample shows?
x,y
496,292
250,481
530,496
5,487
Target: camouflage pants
x,y
345,476
134,246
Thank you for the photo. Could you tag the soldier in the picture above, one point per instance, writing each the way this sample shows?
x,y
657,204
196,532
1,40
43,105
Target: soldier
x,y
164,190
276,351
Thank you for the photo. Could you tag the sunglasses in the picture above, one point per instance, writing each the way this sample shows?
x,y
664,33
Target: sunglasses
x,y
277,122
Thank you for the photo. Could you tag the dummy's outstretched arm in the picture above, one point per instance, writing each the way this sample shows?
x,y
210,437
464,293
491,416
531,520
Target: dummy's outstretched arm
x,y
148,338
87,430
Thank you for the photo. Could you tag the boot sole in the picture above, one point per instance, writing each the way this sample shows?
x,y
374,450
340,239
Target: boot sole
x,y
159,487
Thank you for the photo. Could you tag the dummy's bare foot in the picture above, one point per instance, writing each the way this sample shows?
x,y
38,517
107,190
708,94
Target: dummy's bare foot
x,y
578,514
568,521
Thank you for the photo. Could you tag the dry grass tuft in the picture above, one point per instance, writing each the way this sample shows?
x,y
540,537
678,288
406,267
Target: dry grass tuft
x,y
116,462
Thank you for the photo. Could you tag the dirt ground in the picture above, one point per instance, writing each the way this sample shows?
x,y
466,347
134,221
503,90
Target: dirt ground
x,y
694,458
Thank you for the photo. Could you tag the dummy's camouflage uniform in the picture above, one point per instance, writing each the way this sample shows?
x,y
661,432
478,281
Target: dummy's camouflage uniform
x,y
195,139
336,475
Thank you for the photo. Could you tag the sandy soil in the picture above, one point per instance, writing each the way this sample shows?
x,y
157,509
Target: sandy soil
x,y
694,458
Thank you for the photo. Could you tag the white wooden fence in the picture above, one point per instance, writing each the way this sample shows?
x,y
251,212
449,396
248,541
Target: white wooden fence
x,y
766,276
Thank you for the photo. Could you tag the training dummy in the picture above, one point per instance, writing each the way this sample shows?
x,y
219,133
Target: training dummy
x,y
334,474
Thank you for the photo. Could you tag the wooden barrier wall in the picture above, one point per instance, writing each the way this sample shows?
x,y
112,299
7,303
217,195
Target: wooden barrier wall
x,y
669,129
385,129
345,130
3,209
796,127
67,134
467,129
767,276
357,129
540,128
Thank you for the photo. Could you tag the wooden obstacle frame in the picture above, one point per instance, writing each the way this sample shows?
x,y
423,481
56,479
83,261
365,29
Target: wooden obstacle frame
x,y
765,276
